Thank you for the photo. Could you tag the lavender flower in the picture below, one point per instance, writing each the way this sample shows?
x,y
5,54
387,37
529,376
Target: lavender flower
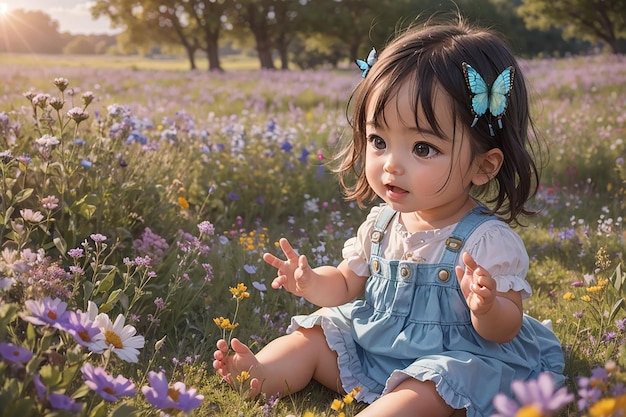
x,y
109,388
536,396
46,311
56,401
84,331
163,396
15,354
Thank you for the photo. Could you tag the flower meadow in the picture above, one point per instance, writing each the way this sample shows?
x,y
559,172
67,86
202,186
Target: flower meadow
x,y
135,206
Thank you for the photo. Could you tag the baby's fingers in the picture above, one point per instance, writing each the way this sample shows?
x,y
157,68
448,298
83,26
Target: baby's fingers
x,y
279,282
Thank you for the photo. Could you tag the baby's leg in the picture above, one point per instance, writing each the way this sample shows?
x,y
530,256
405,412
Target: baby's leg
x,y
411,398
286,365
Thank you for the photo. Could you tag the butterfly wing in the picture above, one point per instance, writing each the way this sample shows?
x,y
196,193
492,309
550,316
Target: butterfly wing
x,y
478,89
363,66
500,90
371,58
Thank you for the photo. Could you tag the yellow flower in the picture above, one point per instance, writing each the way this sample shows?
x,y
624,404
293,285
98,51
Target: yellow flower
x,y
336,405
225,323
528,411
585,298
348,399
568,296
240,292
243,376
183,203
308,414
603,408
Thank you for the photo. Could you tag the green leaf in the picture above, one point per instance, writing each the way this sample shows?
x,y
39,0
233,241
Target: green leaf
x,y
616,307
23,195
107,282
59,242
124,410
99,411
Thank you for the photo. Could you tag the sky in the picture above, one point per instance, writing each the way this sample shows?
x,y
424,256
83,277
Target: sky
x,y
73,16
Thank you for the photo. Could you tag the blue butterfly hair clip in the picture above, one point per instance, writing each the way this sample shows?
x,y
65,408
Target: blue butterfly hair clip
x,y
494,99
367,64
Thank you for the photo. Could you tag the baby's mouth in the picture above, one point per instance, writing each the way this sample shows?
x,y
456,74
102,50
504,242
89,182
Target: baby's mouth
x,y
396,190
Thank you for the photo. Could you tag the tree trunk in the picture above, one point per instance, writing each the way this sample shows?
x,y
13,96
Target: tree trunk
x,y
212,50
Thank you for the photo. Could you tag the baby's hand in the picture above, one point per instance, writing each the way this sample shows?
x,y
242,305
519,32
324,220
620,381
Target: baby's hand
x,y
294,273
478,287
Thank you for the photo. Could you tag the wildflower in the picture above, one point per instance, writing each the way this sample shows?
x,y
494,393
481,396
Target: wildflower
x,y
183,203
165,397
61,83
57,103
243,376
88,97
84,331
50,202
159,303
31,216
239,292
206,228
46,311
98,238
337,405
534,397
86,163
15,354
75,253
119,338
568,296
41,100
225,324
109,388
250,269
6,283
77,114
56,401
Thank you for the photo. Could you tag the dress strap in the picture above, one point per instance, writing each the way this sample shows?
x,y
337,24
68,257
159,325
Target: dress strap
x,y
385,215
464,228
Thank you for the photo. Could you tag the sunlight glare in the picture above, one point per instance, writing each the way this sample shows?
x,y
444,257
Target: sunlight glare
x,y
4,8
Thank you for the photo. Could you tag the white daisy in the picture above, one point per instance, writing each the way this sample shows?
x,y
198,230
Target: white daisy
x,y
119,338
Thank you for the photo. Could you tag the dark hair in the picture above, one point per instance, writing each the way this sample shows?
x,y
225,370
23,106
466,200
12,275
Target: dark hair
x,y
422,57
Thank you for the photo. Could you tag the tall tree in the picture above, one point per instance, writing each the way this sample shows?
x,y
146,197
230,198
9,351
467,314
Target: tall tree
x,y
592,20
209,17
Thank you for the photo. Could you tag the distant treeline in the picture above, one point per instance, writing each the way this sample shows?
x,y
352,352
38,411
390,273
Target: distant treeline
x,y
305,33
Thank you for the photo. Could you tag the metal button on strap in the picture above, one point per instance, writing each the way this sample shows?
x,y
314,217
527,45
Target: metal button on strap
x,y
376,266
405,272
454,243
377,236
444,275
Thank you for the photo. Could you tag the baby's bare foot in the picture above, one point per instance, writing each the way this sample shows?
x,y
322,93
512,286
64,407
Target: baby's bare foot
x,y
242,360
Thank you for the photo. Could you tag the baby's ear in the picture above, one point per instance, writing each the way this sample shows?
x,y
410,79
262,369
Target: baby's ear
x,y
489,165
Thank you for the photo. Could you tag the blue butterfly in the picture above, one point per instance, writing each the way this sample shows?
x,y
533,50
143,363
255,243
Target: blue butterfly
x,y
367,64
495,99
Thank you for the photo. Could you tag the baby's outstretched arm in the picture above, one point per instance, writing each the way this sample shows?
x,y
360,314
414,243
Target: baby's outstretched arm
x,y
324,286
496,316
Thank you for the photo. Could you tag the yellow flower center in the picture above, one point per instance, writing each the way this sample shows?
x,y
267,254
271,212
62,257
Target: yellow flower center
x,y
113,338
528,411
173,394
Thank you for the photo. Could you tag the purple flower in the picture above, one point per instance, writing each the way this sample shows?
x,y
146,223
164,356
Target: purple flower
x,y
206,228
15,354
164,397
56,401
84,331
109,388
46,311
97,237
590,388
75,253
538,395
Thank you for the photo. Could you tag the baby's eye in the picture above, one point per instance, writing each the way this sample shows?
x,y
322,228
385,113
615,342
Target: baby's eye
x,y
377,142
424,150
